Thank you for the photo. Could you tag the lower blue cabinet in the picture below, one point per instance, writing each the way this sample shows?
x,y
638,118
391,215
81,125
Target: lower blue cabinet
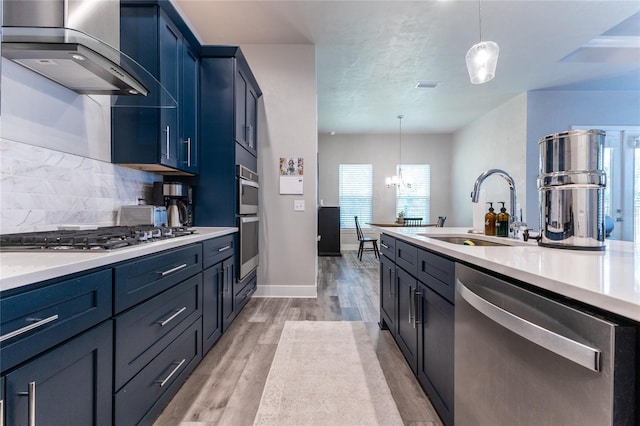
x,y
68,385
144,397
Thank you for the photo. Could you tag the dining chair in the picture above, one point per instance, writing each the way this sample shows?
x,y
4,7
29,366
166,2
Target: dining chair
x,y
441,220
362,239
412,221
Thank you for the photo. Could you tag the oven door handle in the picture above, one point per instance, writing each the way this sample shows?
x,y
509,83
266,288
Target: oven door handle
x,y
249,219
246,182
577,352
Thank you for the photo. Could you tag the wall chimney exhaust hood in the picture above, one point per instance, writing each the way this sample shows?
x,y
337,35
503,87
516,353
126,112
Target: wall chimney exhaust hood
x,y
74,43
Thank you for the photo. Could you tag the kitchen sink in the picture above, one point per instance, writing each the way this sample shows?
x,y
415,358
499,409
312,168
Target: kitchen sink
x,y
474,241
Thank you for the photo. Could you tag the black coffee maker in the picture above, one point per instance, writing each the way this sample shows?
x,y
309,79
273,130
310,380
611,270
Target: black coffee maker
x,y
178,199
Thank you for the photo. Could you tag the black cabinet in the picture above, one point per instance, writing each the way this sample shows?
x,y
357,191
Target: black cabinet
x,y
229,308
69,385
329,231
407,333
146,134
388,297
246,107
423,311
435,354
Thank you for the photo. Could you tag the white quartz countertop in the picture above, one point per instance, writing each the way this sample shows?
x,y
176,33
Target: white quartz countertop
x,y
609,279
27,267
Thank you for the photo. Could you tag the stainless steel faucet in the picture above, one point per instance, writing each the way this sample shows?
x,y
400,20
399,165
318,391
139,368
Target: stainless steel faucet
x,y
515,222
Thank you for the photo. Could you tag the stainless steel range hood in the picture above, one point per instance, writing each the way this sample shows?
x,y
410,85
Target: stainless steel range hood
x,y
74,43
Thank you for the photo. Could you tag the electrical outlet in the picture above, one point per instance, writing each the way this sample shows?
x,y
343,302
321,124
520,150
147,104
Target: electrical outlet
x,y
298,205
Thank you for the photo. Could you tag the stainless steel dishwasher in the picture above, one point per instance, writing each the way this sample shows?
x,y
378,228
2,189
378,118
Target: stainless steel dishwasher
x,y
525,359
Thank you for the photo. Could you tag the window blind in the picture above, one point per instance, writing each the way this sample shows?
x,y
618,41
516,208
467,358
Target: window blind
x,y
356,194
415,201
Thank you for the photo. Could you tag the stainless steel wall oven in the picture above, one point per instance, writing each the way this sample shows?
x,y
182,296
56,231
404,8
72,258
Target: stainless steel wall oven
x,y
248,220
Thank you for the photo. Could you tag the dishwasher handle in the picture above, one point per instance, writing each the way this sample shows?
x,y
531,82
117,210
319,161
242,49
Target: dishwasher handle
x,y
577,352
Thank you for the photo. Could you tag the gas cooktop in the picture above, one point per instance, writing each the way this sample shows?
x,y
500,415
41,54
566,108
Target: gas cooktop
x,y
100,239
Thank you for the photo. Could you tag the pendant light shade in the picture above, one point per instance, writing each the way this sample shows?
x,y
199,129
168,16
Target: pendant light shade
x,y
482,60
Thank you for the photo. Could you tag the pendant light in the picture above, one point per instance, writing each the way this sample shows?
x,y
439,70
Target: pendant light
x,y
398,180
482,57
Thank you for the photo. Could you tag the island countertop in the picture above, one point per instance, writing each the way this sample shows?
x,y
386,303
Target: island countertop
x,y
609,279
27,267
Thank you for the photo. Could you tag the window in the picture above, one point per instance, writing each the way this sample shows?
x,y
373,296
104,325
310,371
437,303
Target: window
x,y
356,194
415,201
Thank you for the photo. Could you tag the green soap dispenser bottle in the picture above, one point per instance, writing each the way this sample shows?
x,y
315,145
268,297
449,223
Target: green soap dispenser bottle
x,y
502,224
490,221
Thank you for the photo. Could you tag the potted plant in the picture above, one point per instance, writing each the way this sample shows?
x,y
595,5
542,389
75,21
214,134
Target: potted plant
x,y
400,220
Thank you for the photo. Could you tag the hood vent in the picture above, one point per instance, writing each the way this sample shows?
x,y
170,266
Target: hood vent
x,y
72,43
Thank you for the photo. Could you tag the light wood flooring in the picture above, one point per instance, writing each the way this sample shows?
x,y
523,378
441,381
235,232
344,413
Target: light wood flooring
x,y
226,387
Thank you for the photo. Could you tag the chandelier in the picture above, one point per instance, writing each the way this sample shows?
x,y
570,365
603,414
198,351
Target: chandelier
x,y
482,58
398,180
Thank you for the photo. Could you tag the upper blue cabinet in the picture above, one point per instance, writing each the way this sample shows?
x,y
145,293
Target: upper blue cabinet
x,y
144,136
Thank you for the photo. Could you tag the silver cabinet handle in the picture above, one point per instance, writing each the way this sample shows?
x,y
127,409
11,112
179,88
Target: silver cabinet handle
x,y
175,314
172,270
1,412
577,352
416,297
383,245
223,248
391,282
167,131
174,371
28,328
32,404
189,152
410,305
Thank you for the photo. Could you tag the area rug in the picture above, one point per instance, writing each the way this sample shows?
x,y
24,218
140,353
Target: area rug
x,y
368,260
326,373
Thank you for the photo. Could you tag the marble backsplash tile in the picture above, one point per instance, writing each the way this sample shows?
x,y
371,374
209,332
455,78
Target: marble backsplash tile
x,y
41,188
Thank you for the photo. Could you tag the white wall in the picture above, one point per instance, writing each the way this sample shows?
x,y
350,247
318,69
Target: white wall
x,y
382,151
287,127
55,158
496,140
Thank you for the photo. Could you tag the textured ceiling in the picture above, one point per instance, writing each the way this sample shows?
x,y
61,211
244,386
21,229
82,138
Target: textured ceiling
x,y
371,54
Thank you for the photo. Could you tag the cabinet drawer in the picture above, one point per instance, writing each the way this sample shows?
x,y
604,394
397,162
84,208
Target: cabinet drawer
x,y
388,246
141,333
407,257
41,318
438,273
141,279
143,398
244,294
217,249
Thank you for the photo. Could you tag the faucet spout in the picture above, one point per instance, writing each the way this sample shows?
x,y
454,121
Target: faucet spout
x,y
513,218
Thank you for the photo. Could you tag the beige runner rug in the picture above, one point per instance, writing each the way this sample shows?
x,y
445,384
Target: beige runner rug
x,y
326,373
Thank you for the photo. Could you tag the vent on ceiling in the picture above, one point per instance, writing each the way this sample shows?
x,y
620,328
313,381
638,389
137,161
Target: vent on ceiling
x,y
427,84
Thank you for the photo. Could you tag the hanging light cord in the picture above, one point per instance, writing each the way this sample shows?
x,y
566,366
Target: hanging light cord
x,y
400,148
480,18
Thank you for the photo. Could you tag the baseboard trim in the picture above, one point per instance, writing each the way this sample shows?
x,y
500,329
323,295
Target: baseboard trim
x,y
287,291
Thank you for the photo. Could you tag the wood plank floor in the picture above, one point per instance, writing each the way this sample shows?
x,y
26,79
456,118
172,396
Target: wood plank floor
x,y
226,387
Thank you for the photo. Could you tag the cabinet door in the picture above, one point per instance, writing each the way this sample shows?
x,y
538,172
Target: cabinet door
x,y
252,120
388,292
240,98
70,385
2,402
170,47
213,287
407,334
189,112
228,299
435,348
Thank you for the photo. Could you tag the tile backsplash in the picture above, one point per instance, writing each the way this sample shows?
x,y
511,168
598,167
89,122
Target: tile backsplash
x,y
42,188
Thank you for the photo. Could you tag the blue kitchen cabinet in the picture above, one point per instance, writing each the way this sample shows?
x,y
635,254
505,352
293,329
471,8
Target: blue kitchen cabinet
x,y
226,82
147,134
388,295
68,385
406,332
2,402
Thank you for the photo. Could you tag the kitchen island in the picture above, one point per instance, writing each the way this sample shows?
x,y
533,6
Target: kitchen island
x,y
608,280
501,330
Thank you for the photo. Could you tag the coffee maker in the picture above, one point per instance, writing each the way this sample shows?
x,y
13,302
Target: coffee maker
x,y
178,199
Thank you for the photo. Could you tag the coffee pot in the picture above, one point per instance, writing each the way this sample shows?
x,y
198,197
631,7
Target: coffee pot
x,y
177,197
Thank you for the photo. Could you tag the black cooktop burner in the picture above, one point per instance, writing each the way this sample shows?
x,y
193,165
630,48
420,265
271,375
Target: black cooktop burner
x,y
106,238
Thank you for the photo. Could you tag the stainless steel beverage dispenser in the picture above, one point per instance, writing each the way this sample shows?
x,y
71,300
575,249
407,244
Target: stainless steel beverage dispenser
x,y
571,190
